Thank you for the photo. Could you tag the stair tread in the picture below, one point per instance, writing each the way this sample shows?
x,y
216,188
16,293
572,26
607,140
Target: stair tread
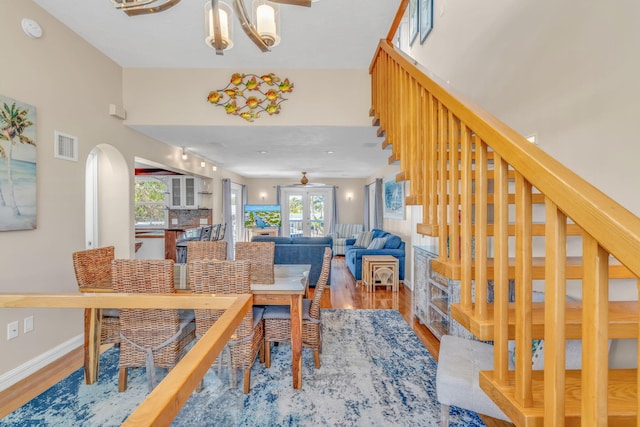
x,y
622,397
574,270
623,320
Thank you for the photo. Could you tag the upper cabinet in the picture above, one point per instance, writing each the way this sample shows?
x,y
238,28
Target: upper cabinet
x,y
183,192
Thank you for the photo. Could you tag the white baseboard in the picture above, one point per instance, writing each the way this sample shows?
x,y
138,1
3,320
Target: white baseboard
x,y
34,365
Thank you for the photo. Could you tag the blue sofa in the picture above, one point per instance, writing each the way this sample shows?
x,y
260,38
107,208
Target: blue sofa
x,y
394,246
300,250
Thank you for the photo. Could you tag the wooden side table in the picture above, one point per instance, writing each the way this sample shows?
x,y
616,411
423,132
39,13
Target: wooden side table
x,y
380,270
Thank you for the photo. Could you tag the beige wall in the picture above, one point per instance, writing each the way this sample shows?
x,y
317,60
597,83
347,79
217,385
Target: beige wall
x,y
71,85
307,105
566,72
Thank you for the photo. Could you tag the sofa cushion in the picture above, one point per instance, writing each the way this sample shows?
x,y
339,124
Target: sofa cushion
x,y
364,239
278,240
379,233
393,242
311,240
377,243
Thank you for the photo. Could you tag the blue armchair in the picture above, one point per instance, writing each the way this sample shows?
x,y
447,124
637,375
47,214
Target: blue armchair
x,y
341,234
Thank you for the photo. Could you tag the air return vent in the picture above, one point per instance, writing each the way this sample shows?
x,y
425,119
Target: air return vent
x,y
66,147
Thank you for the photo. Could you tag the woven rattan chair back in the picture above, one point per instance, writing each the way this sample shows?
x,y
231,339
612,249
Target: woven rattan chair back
x,y
93,266
143,329
93,270
209,276
314,310
199,251
228,277
261,255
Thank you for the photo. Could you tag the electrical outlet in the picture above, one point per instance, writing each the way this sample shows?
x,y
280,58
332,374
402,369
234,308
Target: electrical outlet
x,y
28,324
12,330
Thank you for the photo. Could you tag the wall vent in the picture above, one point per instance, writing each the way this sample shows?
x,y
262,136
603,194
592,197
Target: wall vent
x,y
66,147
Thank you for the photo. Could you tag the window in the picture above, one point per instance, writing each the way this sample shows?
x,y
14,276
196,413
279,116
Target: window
x,y
149,198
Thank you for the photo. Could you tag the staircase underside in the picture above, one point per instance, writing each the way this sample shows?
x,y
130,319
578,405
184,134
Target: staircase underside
x,y
623,320
574,270
622,398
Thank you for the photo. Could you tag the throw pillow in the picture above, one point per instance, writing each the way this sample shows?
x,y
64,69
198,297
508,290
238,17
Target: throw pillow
x,y
393,242
377,243
364,239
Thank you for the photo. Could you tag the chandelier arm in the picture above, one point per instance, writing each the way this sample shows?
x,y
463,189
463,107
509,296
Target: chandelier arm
x,y
294,2
122,4
248,27
140,9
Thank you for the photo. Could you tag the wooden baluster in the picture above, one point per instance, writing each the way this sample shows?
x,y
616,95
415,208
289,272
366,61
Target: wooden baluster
x,y
501,270
454,188
443,229
524,289
481,222
433,163
466,218
595,345
554,315
430,200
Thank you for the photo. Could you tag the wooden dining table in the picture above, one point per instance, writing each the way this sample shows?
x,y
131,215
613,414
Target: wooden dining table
x,y
290,287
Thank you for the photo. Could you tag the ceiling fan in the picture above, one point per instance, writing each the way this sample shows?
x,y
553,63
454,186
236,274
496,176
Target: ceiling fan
x,y
304,182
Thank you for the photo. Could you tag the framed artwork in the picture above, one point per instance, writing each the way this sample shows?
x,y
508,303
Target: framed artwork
x,y
413,21
17,165
393,194
425,14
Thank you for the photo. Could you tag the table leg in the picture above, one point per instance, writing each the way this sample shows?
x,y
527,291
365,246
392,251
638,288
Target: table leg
x,y
92,328
296,340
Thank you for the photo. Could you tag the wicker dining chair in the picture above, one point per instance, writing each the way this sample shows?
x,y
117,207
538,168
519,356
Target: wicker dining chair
x,y
150,337
93,270
261,255
277,319
229,277
199,251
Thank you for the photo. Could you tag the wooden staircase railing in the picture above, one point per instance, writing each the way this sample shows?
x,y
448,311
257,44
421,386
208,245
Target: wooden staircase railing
x,y
505,211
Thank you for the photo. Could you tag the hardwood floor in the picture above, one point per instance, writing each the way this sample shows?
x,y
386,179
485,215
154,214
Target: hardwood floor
x,y
343,293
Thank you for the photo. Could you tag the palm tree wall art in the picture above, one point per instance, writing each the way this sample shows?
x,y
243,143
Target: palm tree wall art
x,y
17,165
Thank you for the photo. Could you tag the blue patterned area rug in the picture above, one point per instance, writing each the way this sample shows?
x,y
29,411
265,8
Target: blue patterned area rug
x,y
375,372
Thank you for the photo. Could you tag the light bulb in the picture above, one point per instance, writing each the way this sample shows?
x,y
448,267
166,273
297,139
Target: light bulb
x,y
266,20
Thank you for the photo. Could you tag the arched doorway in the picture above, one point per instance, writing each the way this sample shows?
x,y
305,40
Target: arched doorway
x,y
108,201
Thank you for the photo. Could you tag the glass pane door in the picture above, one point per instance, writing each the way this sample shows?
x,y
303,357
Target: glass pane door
x,y
294,216
317,214
306,212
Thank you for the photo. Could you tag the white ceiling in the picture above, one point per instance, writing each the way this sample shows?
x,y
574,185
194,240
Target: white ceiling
x,y
330,34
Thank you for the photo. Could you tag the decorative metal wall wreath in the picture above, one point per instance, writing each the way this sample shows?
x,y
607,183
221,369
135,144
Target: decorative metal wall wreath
x,y
248,95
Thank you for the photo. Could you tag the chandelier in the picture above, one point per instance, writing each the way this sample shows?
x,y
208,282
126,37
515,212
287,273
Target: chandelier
x,y
263,27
